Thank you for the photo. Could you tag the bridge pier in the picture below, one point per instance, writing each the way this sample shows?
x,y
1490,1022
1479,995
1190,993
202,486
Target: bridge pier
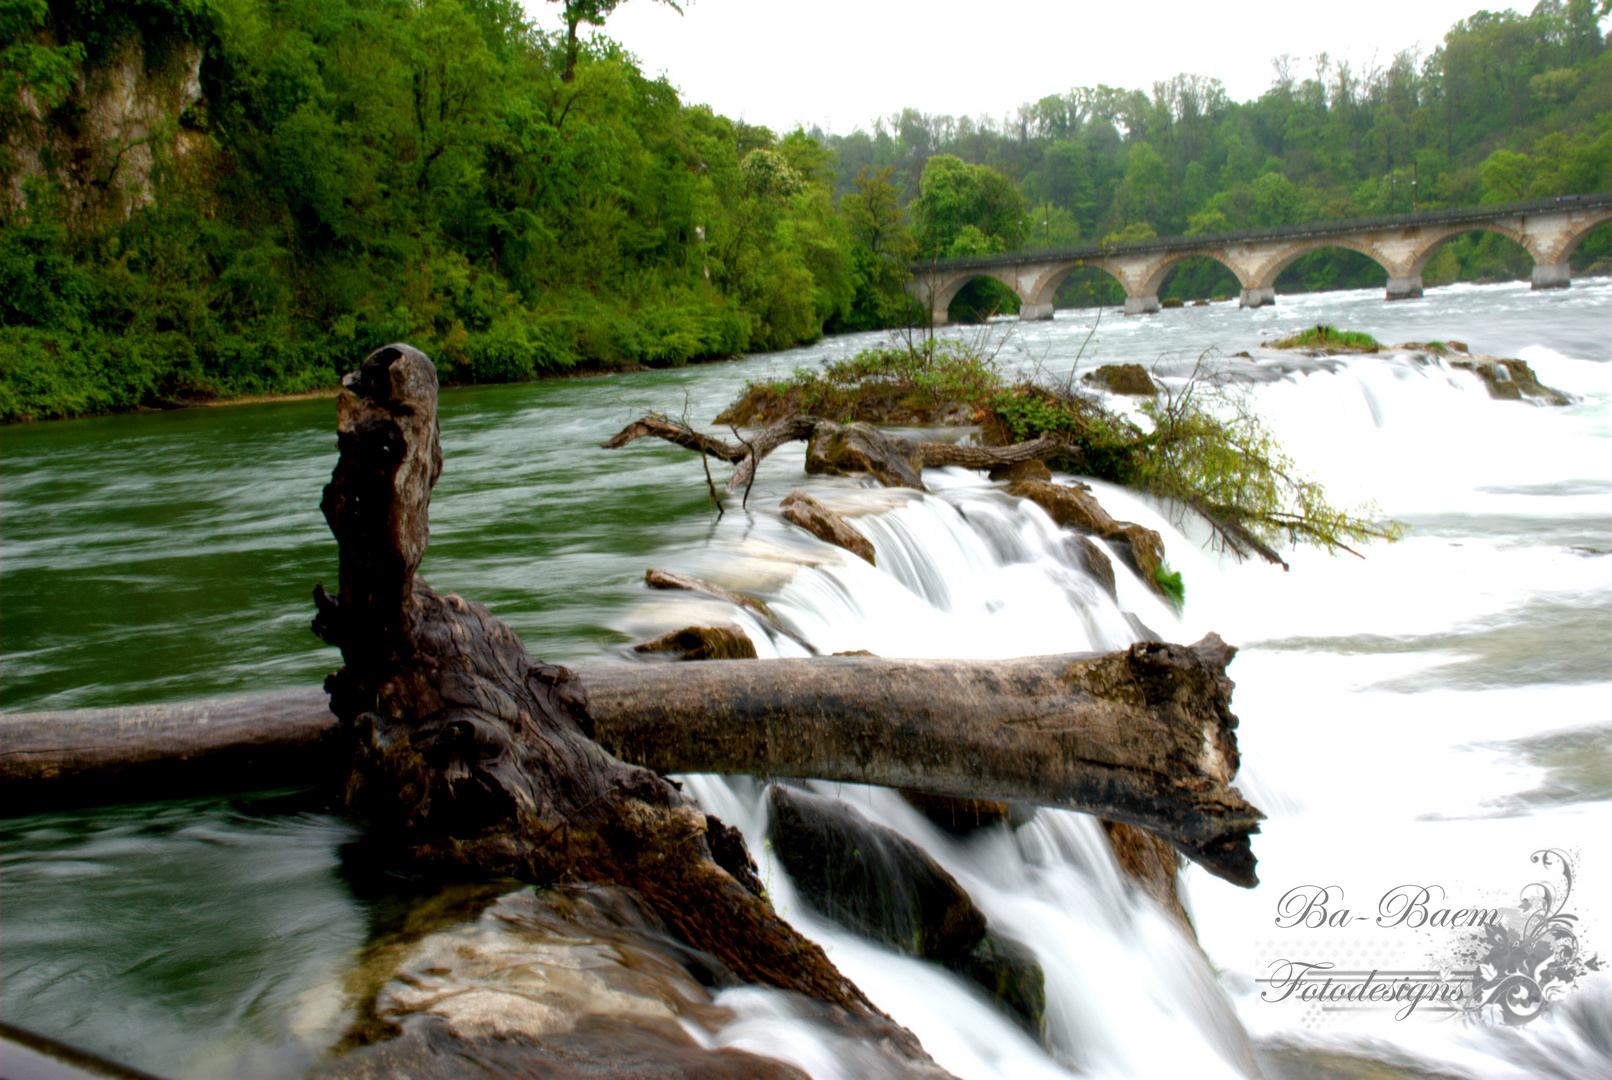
x,y
1552,276
1141,305
1408,287
1257,297
1035,312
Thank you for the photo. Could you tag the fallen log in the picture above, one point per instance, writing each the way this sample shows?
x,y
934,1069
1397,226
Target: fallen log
x,y
1142,736
875,445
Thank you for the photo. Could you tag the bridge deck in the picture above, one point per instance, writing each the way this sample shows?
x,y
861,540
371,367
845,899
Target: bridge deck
x,y
1308,230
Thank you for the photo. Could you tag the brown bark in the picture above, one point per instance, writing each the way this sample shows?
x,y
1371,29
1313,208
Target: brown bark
x,y
1143,736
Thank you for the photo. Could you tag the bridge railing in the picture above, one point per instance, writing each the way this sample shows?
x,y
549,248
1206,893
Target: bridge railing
x,y
1096,252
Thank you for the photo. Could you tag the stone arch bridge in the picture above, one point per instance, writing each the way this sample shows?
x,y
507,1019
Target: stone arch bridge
x,y
1549,229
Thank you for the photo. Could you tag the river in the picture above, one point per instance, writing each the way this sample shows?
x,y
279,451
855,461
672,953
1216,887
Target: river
x,y
1432,715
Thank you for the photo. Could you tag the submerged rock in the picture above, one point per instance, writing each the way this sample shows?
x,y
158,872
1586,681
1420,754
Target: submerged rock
x,y
871,879
702,643
823,523
878,883
1129,379
1009,971
1096,562
847,449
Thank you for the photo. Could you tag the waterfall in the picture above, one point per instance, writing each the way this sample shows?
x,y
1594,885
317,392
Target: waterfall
x,y
1335,646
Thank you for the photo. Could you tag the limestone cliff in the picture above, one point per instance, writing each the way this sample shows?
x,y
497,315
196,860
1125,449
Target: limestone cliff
x,y
121,126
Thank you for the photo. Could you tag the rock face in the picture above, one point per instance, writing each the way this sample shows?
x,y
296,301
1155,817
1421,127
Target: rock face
x,y
825,524
1076,506
883,886
130,118
847,449
702,643
1130,379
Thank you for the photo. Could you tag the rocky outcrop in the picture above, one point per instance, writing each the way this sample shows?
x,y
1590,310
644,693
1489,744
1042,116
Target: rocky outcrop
x,y
1077,507
1506,379
702,643
1511,380
1129,379
823,523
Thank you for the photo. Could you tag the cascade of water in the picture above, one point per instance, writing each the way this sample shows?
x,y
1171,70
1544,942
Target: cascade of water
x,y
969,571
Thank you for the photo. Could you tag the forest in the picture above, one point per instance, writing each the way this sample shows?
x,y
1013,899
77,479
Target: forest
x,y
210,199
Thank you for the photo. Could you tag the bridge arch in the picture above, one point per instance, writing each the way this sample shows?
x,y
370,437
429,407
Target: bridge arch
x,y
1264,277
1521,238
1161,270
943,290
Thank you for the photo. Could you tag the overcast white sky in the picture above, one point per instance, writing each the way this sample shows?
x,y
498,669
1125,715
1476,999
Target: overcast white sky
x,y
841,63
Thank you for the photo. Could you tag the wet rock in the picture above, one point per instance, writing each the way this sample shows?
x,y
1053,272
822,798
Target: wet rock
x,y
825,524
957,816
870,879
1009,971
1077,507
1097,563
1172,302
1145,546
881,885
1022,470
1511,380
848,449
1067,504
1130,379
1151,863
576,983
702,643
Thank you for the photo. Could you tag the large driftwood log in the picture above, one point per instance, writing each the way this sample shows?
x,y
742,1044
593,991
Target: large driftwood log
x,y
748,454
1143,736
465,754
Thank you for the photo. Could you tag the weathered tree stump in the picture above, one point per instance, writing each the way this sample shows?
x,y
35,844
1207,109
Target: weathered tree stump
x,y
465,754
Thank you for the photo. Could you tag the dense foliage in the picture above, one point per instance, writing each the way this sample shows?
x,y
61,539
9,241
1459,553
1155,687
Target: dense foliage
x,y
354,172
1508,107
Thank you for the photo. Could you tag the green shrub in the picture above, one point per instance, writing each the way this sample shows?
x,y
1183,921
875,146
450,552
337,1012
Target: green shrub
x,y
1328,337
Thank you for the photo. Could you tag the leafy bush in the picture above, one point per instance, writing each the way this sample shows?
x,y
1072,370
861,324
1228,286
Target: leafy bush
x,y
1328,337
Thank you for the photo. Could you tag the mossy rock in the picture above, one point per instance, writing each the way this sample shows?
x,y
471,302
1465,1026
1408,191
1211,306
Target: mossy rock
x,y
1128,379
